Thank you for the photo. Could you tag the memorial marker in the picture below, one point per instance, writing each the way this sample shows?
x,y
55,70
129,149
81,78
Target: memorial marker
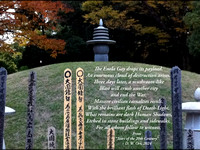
x,y
163,125
3,78
51,138
31,109
67,108
148,141
176,107
111,139
80,108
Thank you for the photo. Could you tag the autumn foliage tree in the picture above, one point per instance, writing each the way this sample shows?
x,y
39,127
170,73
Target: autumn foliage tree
x,y
29,22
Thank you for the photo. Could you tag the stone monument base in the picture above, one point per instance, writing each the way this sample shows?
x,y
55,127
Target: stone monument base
x,y
101,57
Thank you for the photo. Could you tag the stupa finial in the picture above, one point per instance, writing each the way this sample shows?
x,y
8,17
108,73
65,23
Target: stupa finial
x,y
100,22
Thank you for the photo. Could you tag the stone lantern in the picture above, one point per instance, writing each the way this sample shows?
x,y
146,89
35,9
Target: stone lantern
x,y
100,42
191,131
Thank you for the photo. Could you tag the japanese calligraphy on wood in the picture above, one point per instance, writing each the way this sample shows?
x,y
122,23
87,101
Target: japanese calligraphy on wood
x,y
80,108
67,108
51,138
111,139
3,78
176,94
31,109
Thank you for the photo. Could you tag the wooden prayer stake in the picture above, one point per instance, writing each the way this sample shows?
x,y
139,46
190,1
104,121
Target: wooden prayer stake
x,y
80,108
3,78
111,139
67,108
31,110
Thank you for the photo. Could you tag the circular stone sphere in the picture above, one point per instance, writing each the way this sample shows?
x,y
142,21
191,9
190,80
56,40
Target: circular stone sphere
x,y
197,94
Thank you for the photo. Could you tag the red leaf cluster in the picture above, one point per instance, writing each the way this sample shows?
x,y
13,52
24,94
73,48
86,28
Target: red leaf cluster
x,y
31,19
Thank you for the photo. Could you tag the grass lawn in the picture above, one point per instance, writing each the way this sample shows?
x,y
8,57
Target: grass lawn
x,y
49,105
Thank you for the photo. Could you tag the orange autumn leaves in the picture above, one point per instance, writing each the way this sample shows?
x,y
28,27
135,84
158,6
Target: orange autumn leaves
x,y
29,22
56,46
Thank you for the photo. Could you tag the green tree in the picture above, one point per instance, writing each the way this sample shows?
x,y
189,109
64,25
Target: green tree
x,y
75,32
8,61
11,61
155,28
192,20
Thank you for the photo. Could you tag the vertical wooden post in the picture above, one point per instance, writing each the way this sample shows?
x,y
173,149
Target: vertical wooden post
x,y
67,108
51,138
176,94
163,125
111,139
80,108
148,141
3,78
31,110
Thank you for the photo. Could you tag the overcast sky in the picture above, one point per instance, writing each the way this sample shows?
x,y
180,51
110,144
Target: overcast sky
x,y
8,37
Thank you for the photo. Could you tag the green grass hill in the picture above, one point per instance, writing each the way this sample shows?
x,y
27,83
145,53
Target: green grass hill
x,y
49,104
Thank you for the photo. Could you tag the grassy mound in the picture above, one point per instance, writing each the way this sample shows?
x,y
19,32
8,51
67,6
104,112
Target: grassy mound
x,y
49,104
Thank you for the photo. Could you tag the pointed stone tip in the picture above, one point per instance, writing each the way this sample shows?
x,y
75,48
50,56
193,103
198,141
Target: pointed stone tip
x,y
175,69
3,71
32,72
32,75
100,22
